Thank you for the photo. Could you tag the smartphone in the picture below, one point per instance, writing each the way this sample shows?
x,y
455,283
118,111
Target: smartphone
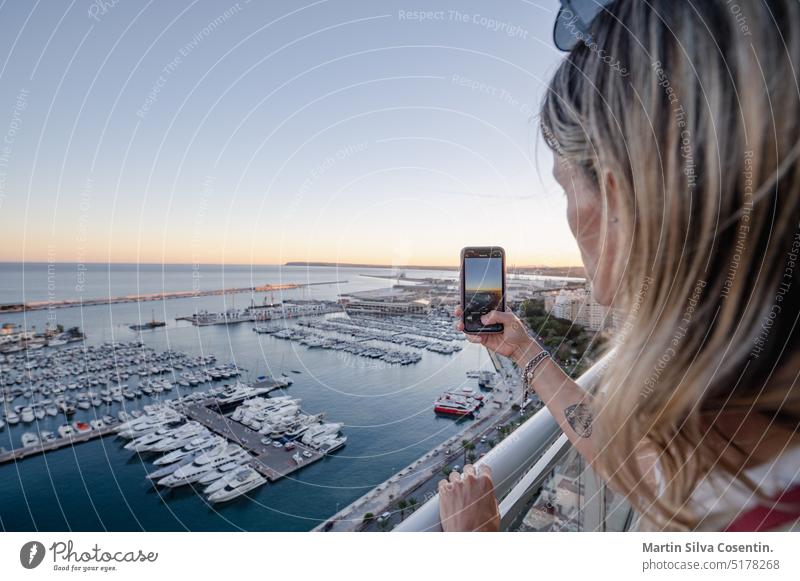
x,y
483,286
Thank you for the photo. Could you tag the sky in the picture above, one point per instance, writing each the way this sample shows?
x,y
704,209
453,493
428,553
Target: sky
x,y
264,132
483,274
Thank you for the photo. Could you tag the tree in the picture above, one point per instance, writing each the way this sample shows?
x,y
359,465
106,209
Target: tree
x,y
446,471
383,524
402,505
491,443
468,446
368,517
412,503
471,457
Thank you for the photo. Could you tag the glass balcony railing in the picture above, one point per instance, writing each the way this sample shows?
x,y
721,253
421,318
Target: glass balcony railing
x,y
542,484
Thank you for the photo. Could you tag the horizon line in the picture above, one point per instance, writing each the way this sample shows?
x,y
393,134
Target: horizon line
x,y
291,263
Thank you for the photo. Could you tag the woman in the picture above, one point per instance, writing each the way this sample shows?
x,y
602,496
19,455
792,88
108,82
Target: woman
x,y
680,167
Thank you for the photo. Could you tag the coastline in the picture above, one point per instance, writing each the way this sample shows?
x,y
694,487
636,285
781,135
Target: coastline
x,y
426,470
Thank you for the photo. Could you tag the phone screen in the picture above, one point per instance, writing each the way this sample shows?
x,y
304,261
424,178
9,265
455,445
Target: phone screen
x,y
483,282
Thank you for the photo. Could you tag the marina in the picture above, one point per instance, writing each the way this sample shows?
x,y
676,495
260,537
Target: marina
x,y
362,336
199,442
92,483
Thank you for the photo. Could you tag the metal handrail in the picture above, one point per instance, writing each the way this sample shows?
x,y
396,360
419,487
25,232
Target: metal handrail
x,y
518,463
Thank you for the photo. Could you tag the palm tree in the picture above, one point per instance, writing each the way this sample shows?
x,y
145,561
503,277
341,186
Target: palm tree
x,y
383,524
412,503
467,447
446,471
402,505
491,443
472,457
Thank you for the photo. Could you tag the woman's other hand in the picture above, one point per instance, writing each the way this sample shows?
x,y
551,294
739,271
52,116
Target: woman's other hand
x,y
467,501
514,342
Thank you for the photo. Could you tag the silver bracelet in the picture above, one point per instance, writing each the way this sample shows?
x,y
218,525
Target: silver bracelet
x,y
530,368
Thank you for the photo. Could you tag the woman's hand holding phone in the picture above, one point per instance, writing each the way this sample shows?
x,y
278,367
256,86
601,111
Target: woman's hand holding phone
x,y
514,342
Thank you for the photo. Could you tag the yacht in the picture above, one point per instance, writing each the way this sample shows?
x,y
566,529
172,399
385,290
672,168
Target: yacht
x,y
221,471
170,468
27,415
145,442
240,483
331,444
66,431
12,418
222,454
222,482
320,431
29,439
178,438
147,424
51,410
197,444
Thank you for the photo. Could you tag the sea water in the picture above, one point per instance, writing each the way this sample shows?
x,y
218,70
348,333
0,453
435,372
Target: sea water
x,y
386,409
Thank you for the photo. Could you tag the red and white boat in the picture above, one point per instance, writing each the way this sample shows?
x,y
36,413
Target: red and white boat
x,y
453,404
82,427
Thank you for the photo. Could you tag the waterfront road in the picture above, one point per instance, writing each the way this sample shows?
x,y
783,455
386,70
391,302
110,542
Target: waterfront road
x,y
419,480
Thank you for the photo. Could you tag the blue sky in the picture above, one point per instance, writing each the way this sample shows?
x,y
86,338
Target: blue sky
x,y
198,131
483,273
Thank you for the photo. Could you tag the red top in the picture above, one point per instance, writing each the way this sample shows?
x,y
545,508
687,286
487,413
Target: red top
x,y
783,509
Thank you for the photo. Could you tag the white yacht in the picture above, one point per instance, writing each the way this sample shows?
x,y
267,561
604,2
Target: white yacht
x,y
240,483
66,431
318,432
199,443
12,418
222,482
222,470
170,468
147,424
202,464
330,444
178,438
144,442
29,439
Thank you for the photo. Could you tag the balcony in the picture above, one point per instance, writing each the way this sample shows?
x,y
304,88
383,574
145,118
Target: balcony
x,y
542,484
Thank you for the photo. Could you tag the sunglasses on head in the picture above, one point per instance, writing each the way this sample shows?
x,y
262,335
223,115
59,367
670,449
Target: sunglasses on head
x,y
573,21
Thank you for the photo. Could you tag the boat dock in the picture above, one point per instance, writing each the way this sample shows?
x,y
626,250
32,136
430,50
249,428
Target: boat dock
x,y
274,463
25,451
69,303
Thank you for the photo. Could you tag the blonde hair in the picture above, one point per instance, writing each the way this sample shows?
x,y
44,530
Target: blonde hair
x,y
701,133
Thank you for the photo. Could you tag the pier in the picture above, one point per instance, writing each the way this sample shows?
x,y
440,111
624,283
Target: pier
x,y
25,451
70,303
274,463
